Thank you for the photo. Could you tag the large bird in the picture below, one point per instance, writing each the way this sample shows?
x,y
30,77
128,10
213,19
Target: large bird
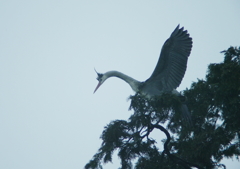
x,y
168,72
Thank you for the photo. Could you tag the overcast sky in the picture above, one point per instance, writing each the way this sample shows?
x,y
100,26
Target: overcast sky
x,y
49,116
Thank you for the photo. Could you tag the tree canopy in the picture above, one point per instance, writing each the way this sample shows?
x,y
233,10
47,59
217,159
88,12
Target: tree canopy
x,y
214,104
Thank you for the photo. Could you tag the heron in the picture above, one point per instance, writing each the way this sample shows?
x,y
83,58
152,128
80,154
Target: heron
x,y
168,73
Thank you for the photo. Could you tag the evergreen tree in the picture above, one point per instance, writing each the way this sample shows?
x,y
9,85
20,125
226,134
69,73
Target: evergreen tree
x,y
214,104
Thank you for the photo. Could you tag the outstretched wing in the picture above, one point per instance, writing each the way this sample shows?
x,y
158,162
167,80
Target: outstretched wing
x,y
172,62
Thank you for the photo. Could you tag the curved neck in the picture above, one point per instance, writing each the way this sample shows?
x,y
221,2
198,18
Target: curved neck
x,y
132,82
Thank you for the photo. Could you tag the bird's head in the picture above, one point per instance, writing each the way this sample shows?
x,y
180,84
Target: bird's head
x,y
101,78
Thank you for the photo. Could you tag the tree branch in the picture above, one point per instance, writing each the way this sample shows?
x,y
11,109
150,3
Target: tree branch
x,y
178,160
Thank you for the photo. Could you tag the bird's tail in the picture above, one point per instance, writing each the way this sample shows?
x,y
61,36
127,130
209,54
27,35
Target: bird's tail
x,y
186,114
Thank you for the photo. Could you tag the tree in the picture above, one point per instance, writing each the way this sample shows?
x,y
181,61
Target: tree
x,y
215,107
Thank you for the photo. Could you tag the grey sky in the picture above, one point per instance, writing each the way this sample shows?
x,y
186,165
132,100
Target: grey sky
x,y
49,117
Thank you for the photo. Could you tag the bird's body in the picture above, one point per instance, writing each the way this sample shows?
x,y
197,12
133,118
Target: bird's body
x,y
168,72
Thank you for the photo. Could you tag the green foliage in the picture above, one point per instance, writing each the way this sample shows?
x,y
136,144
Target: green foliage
x,y
215,107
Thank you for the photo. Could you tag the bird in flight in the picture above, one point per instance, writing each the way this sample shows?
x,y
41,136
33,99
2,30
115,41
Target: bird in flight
x,y
168,73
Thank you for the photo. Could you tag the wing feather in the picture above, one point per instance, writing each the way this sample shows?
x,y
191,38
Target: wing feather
x,y
172,62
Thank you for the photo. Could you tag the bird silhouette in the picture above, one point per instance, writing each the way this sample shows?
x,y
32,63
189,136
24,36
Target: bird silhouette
x,y
168,73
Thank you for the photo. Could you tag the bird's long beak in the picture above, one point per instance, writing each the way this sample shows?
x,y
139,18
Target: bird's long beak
x,y
99,84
